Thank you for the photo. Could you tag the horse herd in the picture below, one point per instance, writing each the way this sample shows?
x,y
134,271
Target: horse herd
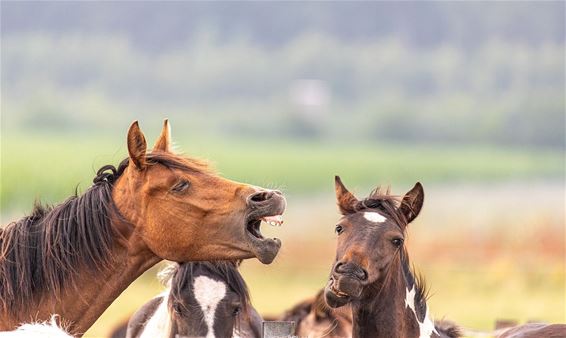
x,y
62,266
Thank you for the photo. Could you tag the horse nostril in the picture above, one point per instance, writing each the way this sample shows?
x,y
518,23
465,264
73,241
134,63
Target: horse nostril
x,y
364,274
351,269
261,196
337,267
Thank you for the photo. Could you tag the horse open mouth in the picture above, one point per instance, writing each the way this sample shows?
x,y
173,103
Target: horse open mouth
x,y
253,226
265,249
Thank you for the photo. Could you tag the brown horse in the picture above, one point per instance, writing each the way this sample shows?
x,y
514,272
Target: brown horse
x,y
372,271
74,259
534,330
313,319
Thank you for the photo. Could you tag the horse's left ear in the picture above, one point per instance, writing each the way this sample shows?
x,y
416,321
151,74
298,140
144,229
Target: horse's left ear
x,y
163,143
346,200
412,203
136,146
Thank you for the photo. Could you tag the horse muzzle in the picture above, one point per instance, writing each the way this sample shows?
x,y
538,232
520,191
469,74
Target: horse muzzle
x,y
341,290
266,206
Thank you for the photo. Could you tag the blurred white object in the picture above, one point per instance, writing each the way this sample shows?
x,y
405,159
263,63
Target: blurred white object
x,y
311,97
38,330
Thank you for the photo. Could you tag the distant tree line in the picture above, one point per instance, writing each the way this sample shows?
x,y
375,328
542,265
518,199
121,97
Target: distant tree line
x,y
410,72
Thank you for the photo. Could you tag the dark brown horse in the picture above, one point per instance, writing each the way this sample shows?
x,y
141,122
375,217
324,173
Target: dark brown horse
x,y
74,259
203,299
372,272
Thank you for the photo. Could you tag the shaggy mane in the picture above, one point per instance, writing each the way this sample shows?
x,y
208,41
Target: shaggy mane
x,y
43,252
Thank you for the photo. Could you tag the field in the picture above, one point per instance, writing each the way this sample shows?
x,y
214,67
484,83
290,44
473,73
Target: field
x,y
490,240
50,166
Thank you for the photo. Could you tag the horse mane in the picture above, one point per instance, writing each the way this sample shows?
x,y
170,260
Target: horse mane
x,y
42,252
381,199
448,328
181,275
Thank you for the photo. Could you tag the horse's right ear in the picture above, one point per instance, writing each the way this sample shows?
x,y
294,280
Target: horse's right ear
x,y
163,142
346,200
137,146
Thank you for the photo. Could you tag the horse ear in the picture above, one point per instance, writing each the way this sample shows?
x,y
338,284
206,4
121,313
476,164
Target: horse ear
x,y
136,146
412,203
163,143
346,200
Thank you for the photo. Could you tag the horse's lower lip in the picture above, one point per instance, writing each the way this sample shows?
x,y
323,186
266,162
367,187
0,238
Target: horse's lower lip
x,y
335,291
265,249
334,298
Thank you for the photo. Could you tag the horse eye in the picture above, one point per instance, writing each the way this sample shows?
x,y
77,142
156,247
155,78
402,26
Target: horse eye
x,y
397,242
339,229
180,186
237,310
178,309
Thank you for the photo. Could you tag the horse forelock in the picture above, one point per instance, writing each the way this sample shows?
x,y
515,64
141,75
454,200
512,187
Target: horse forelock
x,y
179,276
381,200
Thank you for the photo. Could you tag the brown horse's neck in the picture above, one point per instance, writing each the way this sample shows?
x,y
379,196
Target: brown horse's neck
x,y
78,308
101,290
382,312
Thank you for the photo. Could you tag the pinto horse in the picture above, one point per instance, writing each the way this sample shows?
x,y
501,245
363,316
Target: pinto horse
x,y
203,299
372,271
74,259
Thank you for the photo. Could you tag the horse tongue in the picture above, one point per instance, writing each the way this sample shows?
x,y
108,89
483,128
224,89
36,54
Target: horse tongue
x,y
273,220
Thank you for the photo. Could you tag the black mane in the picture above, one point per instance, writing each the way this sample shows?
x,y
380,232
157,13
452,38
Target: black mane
x,y
43,252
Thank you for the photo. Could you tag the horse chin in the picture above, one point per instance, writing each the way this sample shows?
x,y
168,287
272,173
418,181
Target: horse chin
x,y
264,249
341,290
335,299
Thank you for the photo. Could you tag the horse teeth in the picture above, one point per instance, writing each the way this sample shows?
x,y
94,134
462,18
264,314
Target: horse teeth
x,y
273,220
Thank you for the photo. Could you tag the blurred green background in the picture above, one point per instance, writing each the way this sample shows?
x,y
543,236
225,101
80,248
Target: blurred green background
x,y
468,98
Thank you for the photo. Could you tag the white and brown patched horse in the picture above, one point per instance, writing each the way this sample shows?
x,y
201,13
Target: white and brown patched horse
x,y
203,299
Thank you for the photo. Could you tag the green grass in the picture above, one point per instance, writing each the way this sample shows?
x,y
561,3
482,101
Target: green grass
x,y
50,166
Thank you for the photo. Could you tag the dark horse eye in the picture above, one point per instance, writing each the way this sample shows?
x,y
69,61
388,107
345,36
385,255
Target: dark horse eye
x,y
181,186
178,309
339,229
397,242
237,310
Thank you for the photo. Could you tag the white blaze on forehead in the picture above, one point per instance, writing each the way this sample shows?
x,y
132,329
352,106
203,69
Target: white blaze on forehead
x,y
426,328
159,323
208,294
374,216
